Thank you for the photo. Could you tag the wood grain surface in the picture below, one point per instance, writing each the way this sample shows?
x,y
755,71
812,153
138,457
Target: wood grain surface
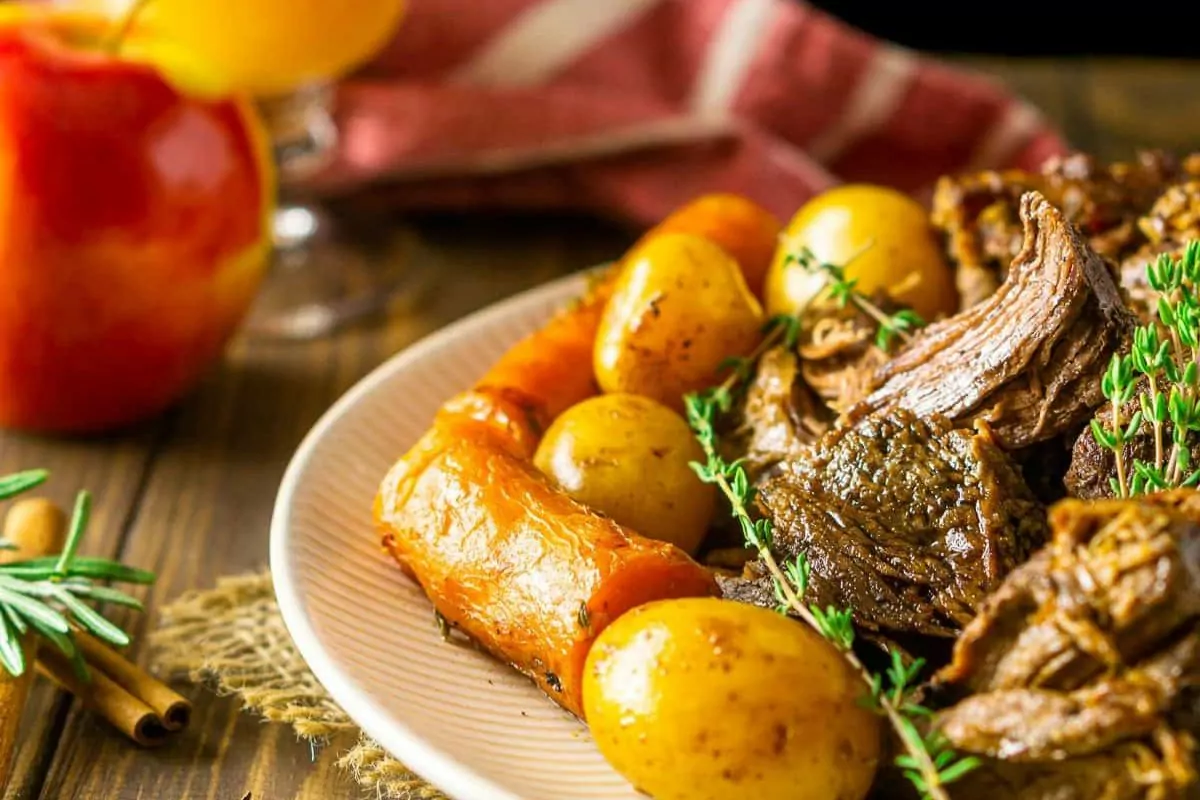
x,y
189,495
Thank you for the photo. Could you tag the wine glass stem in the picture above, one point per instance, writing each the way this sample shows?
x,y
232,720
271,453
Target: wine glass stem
x,y
303,131
322,279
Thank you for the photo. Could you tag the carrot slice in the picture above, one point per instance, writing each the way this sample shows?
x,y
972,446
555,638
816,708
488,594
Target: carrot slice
x,y
524,570
542,375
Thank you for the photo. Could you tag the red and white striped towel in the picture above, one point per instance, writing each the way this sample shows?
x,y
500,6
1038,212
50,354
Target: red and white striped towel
x,y
631,107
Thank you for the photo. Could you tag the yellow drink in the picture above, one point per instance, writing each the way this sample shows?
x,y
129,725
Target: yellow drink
x,y
270,47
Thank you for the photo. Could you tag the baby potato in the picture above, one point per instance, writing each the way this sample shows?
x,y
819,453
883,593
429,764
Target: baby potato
x,y
709,699
884,239
679,308
627,456
741,227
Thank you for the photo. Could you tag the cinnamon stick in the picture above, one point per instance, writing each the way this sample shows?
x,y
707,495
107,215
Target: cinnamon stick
x,y
174,710
38,528
102,695
138,705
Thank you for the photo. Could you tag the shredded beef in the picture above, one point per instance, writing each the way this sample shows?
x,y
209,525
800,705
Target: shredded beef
x,y
1075,675
1127,210
1028,360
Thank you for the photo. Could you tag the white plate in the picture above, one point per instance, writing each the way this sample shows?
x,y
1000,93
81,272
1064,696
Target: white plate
x,y
465,723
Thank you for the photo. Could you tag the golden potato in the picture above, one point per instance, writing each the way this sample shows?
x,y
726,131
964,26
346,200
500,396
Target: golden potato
x,y
709,699
904,257
627,456
741,227
679,308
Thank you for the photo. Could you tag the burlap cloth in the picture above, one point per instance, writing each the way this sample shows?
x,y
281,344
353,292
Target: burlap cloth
x,y
233,638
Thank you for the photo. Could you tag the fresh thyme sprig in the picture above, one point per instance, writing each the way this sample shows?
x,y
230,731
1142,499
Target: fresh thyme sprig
x,y
1163,370
1118,385
927,761
48,595
781,329
785,329
844,291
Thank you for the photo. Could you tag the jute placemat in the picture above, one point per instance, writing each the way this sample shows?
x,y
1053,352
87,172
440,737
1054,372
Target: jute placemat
x,y
233,639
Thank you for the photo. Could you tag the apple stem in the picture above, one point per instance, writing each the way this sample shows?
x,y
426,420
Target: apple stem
x,y
124,25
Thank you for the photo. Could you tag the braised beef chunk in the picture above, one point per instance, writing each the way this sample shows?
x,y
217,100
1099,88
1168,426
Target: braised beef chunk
x,y
1158,769
978,215
780,415
1092,466
1027,360
1077,672
906,521
1036,724
1128,211
838,355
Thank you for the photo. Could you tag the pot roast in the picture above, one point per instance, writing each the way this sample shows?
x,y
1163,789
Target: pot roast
x,y
909,511
1130,212
907,521
781,416
1076,668
1028,359
1077,676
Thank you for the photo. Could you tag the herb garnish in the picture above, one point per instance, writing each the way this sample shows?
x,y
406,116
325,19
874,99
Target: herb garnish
x,y
845,292
46,595
928,762
780,329
1162,369
785,329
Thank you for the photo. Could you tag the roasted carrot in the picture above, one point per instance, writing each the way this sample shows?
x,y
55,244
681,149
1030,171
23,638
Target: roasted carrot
x,y
541,376
526,571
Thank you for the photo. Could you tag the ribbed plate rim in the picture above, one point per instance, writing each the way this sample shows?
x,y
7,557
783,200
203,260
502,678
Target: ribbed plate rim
x,y
452,776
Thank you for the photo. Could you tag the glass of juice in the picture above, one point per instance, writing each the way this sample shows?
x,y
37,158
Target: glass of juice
x,y
289,54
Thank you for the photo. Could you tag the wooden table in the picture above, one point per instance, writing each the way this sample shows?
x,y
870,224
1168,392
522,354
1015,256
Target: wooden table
x,y
190,494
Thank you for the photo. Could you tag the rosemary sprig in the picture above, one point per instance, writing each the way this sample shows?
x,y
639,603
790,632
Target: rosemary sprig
x,y
844,291
49,595
1164,360
927,761
12,485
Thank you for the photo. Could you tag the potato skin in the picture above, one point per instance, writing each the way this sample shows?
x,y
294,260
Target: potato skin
x,y
884,239
627,456
708,699
742,228
679,308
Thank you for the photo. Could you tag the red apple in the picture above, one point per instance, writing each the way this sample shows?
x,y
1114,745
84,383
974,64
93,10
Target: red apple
x,y
134,223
